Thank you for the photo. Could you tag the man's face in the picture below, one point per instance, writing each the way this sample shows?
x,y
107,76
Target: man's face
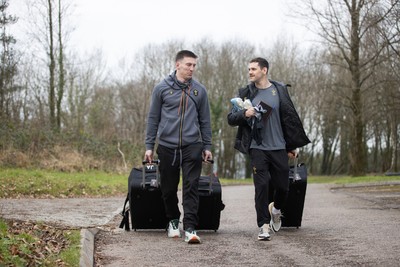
x,y
256,74
185,68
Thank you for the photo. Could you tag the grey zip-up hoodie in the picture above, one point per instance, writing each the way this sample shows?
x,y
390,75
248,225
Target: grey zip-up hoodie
x,y
179,115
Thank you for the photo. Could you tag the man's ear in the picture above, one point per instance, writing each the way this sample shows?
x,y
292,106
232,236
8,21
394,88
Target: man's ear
x,y
265,69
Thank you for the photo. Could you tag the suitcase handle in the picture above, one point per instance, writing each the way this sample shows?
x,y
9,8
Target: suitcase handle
x,y
212,175
157,161
209,161
151,163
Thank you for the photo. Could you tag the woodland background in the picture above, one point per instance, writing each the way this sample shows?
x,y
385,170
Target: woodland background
x,y
67,112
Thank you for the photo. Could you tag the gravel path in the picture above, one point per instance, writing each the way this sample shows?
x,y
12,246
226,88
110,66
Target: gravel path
x,y
347,226
71,212
341,227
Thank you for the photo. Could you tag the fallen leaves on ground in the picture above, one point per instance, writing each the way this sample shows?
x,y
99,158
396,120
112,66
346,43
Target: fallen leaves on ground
x,y
37,244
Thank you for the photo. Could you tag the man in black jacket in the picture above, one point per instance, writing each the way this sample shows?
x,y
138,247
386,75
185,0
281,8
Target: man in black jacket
x,y
270,132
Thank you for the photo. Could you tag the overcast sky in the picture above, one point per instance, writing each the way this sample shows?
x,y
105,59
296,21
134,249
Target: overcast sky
x,y
121,27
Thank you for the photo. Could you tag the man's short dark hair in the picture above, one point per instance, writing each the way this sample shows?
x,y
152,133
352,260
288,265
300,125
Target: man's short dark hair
x,y
184,53
262,62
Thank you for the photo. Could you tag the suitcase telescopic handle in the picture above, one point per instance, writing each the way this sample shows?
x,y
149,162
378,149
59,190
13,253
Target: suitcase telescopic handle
x,y
212,175
296,175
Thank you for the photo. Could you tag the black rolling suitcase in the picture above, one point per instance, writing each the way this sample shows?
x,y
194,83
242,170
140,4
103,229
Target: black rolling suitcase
x,y
293,210
210,200
146,206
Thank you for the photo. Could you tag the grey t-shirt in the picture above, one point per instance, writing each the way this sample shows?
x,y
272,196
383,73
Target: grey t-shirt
x,y
272,135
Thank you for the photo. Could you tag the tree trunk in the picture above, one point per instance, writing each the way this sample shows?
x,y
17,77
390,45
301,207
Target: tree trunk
x,y
357,157
52,66
61,79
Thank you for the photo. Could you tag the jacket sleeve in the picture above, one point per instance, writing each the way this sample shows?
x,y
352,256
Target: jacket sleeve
x,y
205,123
237,118
243,135
292,126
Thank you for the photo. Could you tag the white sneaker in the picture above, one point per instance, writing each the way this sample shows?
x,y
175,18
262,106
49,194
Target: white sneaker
x,y
263,235
173,229
191,237
276,221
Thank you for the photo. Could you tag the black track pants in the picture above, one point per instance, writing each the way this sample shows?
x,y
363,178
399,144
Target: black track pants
x,y
189,159
269,166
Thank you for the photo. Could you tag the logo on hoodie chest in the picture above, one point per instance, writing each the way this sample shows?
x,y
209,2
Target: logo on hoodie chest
x,y
195,92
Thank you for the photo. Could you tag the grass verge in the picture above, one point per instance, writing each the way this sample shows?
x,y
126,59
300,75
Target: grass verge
x,y
37,244
352,180
16,183
43,183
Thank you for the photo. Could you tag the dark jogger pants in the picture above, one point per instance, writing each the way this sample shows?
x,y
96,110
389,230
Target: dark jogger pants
x,y
269,166
189,159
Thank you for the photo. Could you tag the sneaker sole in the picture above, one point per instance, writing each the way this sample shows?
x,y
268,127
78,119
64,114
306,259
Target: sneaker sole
x,y
264,239
193,241
174,235
273,227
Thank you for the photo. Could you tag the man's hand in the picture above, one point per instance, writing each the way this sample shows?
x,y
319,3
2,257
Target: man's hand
x,y
148,156
293,154
250,112
207,155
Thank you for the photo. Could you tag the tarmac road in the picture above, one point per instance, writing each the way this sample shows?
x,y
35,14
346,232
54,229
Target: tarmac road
x,y
351,226
341,227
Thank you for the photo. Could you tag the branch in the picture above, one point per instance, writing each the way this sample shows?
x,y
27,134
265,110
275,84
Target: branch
x,y
123,156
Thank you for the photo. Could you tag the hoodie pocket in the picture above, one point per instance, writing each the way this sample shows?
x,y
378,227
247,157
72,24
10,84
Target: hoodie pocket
x,y
162,129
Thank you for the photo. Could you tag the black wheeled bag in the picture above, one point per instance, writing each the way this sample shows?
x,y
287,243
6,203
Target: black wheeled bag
x,y
146,206
292,212
210,201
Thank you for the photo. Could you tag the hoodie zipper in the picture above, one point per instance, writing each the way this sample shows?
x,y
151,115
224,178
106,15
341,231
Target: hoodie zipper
x,y
183,106
182,117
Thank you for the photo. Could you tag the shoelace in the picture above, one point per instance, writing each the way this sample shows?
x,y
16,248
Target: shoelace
x,y
175,225
277,217
262,230
192,232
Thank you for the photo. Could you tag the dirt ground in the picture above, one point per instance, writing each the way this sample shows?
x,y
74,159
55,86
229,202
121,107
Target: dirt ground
x,y
346,226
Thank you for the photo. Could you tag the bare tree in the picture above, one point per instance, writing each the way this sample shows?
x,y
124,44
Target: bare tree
x,y
61,76
84,76
48,39
8,64
390,32
52,65
345,26
384,110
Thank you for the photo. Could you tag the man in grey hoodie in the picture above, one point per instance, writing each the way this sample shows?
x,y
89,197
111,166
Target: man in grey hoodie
x,y
179,119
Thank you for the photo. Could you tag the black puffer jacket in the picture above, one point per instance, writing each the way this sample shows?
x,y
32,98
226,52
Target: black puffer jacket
x,y
292,126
